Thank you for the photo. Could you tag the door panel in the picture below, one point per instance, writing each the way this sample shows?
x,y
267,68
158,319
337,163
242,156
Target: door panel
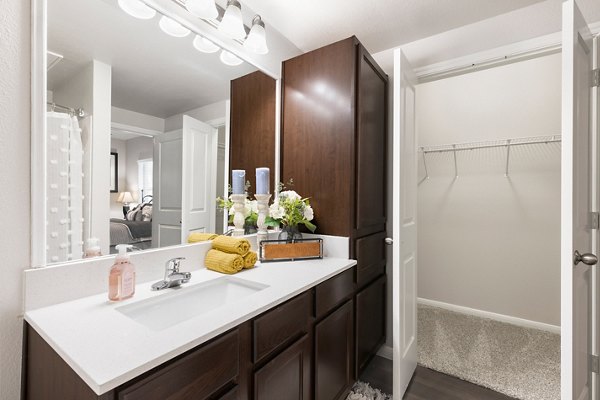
x,y
404,262
370,150
575,204
167,188
287,376
199,172
334,367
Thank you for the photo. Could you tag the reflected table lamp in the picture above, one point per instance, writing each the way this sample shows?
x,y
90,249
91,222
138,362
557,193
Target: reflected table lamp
x,y
125,198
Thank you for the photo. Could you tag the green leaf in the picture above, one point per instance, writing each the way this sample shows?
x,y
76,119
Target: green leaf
x,y
270,221
311,227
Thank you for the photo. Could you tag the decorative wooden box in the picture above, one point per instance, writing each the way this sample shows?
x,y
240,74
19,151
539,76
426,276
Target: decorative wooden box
x,y
282,250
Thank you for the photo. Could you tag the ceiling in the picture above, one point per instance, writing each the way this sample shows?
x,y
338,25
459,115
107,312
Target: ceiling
x,y
379,24
152,73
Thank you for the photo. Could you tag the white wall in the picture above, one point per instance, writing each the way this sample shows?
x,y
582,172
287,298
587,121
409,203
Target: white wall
x,y
120,147
137,149
15,87
206,114
486,241
138,120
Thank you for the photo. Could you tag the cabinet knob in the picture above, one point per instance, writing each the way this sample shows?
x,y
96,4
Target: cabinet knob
x,y
389,241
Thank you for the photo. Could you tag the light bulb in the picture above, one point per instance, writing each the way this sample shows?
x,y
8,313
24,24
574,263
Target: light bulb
x,y
229,59
257,38
173,28
205,9
232,23
137,9
204,45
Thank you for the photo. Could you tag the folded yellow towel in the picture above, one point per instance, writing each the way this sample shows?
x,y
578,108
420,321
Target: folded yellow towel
x,y
231,245
250,260
201,237
223,262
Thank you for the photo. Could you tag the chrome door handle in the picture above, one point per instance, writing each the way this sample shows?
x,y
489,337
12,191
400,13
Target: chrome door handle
x,y
389,241
586,258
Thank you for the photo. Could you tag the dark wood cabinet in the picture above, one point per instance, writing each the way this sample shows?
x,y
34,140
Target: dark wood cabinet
x,y
199,375
334,356
370,321
277,328
333,144
287,376
252,125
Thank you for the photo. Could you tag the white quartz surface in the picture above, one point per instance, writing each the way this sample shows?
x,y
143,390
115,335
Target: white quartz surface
x,y
107,348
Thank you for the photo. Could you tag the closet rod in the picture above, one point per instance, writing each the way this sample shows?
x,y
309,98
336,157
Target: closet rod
x,y
491,144
78,112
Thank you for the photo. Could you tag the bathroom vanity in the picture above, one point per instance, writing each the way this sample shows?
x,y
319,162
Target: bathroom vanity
x,y
289,333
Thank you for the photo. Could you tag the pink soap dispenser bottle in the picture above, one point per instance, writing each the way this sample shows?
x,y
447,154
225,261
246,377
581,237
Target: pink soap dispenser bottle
x,y
121,280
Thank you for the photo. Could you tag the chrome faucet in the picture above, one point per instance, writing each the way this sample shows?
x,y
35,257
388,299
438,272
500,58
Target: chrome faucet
x,y
173,278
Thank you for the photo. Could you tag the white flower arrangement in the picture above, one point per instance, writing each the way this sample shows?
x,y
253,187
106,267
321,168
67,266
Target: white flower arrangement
x,y
290,209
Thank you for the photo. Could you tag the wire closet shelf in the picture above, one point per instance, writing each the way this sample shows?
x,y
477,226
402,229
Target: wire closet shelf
x,y
506,143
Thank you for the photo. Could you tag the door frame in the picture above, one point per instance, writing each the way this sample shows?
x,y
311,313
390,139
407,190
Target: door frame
x,y
516,52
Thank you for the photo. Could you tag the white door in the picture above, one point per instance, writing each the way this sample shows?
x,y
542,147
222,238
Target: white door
x,y
200,142
576,204
404,275
167,188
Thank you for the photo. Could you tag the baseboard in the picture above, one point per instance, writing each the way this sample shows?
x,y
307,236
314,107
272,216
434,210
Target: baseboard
x,y
386,351
490,315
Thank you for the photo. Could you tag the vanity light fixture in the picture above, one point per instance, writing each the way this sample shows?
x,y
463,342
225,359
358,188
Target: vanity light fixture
x,y
204,45
205,9
137,9
232,23
257,38
172,27
229,59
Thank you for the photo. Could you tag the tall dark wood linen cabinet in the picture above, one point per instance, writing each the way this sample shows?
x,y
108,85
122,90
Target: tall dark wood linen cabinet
x,y
333,144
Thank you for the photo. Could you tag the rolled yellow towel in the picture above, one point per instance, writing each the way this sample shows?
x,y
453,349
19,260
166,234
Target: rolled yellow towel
x,y
201,237
250,260
223,262
231,245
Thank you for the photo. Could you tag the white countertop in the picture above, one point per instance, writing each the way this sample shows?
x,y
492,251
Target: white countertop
x,y
107,348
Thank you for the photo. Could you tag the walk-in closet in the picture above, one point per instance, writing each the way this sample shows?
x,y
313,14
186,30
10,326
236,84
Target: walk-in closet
x,y
489,226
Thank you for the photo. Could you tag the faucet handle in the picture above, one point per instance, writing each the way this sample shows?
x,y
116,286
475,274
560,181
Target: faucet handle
x,y
173,264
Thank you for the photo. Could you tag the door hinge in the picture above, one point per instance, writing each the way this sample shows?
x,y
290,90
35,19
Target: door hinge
x,y
594,220
596,77
594,363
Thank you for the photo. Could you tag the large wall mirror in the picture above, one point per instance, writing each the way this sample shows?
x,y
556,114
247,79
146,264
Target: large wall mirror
x,y
156,96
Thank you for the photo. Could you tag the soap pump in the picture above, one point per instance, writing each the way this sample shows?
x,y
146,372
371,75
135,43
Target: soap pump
x,y
121,280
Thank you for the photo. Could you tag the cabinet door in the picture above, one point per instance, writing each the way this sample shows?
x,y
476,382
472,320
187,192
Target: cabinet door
x,y
370,321
370,146
334,358
252,125
287,376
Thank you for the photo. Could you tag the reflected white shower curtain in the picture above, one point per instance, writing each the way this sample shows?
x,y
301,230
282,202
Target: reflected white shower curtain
x,y
64,180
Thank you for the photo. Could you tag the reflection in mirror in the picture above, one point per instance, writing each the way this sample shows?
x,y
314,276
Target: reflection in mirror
x,y
120,85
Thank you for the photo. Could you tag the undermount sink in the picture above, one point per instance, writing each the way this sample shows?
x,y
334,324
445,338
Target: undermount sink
x,y
188,302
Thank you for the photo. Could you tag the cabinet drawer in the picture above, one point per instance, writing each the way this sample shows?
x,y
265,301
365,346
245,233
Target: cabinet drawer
x,y
196,376
333,291
278,327
370,256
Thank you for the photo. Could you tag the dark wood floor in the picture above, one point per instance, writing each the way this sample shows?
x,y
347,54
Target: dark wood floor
x,y
427,384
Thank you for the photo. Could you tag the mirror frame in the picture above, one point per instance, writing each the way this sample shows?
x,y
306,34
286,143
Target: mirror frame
x,y
269,64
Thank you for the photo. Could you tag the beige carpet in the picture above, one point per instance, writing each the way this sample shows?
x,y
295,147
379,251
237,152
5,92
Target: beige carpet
x,y
519,362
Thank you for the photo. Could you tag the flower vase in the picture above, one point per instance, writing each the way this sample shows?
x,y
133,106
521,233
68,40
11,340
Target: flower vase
x,y
290,233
